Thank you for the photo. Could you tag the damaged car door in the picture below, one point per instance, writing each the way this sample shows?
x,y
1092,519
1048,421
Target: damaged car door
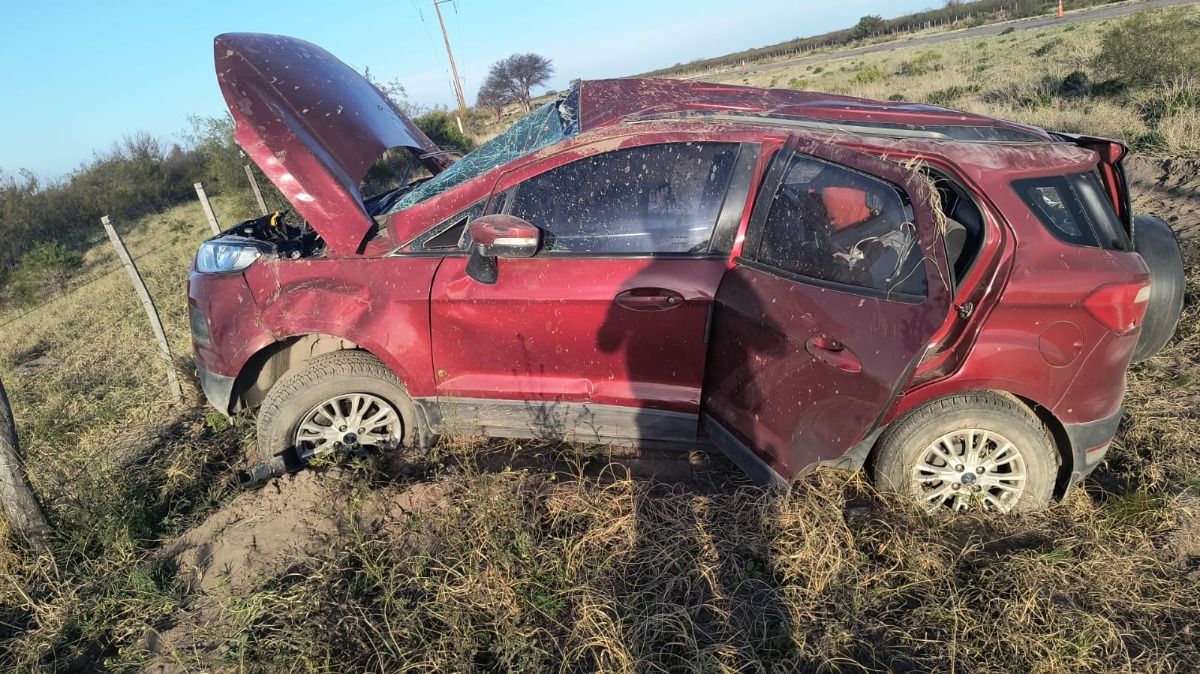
x,y
840,284
600,335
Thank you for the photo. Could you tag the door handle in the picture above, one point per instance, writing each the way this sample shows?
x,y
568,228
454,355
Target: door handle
x,y
649,299
834,354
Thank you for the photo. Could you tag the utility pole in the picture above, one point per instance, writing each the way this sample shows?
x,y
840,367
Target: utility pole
x,y
458,90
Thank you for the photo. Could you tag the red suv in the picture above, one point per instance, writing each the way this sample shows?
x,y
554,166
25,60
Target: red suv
x,y
795,278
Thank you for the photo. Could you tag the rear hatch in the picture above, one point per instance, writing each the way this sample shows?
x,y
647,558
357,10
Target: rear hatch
x,y
314,126
1111,171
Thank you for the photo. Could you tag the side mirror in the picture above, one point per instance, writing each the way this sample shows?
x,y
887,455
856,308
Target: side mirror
x,y
495,236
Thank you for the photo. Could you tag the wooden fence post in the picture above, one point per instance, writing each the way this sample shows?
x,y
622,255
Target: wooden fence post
x,y
148,304
20,505
208,211
262,205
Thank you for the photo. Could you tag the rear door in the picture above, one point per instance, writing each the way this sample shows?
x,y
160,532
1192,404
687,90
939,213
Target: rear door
x,y
841,281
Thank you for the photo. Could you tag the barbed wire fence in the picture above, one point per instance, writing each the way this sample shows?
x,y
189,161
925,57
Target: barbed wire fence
x,y
113,318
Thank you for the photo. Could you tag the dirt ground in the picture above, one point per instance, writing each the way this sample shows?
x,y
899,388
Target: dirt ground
x,y
1168,188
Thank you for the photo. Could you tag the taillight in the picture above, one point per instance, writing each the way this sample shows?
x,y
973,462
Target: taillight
x,y
1119,306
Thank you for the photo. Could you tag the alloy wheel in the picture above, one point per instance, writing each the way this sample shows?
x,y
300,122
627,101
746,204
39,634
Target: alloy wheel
x,y
348,423
969,468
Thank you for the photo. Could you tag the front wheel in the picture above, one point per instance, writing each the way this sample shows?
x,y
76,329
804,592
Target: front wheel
x,y
338,403
969,451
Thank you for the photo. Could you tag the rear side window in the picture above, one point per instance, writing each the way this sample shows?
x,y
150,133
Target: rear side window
x,y
651,199
1074,209
832,223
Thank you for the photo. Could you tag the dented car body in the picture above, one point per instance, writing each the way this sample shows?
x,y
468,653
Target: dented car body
x,y
788,276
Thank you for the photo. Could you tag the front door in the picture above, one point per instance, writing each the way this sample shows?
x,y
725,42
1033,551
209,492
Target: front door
x,y
601,336
840,284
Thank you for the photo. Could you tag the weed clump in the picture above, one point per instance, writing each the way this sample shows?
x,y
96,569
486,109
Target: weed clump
x,y
923,63
946,97
870,74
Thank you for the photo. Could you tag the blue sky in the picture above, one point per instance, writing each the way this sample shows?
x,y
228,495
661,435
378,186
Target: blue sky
x,y
79,75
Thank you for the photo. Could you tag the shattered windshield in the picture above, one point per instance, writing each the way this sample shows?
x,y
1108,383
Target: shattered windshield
x,y
546,125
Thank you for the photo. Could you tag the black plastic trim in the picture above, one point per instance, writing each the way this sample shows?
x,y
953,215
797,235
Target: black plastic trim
x,y
1089,436
737,451
218,389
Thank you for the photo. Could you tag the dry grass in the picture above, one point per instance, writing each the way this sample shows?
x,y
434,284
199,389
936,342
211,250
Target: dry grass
x,y
116,466
1022,76
553,559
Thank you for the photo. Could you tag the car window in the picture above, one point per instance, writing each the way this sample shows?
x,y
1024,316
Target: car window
x,y
1074,209
832,223
651,199
447,235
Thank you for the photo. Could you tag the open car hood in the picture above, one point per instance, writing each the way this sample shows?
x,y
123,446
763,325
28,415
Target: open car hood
x,y
314,126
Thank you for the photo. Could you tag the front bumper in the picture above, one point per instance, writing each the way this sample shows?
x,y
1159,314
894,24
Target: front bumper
x,y
217,388
1089,444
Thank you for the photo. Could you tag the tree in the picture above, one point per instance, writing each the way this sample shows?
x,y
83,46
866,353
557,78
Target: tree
x,y
512,78
869,26
493,95
21,508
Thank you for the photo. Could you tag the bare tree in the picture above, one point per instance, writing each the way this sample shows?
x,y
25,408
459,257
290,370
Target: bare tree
x,y
516,75
21,507
494,94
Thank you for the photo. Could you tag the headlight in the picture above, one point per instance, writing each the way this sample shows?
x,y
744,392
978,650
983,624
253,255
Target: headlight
x,y
224,256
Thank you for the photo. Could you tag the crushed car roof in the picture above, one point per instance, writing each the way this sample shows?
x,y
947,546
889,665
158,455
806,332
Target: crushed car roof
x,y
614,101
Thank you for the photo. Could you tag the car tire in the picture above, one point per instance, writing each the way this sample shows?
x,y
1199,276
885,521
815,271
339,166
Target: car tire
x,y
910,447
338,380
1155,241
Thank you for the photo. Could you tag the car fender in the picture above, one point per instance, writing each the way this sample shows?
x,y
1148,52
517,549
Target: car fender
x,y
380,305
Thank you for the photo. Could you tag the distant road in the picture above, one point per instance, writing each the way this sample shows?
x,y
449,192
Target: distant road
x,y
1093,14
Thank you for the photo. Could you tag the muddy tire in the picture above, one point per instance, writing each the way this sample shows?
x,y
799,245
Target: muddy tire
x,y
1155,241
968,451
338,396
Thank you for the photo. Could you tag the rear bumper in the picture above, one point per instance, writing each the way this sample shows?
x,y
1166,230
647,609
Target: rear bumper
x,y
218,389
1089,444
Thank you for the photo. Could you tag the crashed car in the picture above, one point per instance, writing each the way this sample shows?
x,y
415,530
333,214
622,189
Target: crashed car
x,y
794,278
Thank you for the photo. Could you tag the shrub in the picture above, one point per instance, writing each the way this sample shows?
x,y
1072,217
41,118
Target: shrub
x,y
870,74
1008,30
923,63
1076,83
43,271
896,97
949,95
797,83
818,70
441,128
1152,47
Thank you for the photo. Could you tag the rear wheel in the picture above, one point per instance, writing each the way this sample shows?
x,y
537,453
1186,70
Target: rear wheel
x,y
969,451
337,403
1155,241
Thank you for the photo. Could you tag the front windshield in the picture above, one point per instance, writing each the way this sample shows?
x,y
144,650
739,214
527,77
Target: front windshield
x,y
546,125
